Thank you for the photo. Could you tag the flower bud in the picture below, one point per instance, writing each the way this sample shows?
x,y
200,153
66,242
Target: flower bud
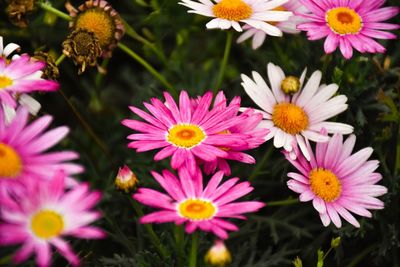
x,y
290,85
218,255
126,180
335,242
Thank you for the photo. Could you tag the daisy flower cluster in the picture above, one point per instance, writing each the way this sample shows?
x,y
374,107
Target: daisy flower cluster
x,y
40,201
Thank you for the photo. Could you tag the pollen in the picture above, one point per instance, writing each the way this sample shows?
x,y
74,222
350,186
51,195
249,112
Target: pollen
x,y
46,224
325,184
235,10
196,209
290,85
5,82
185,135
99,22
290,118
10,162
344,20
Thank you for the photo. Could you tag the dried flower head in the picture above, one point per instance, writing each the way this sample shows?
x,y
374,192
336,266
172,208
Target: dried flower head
x,y
83,47
51,71
100,18
18,10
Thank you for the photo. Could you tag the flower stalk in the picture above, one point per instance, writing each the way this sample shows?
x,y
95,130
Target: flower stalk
x,y
224,61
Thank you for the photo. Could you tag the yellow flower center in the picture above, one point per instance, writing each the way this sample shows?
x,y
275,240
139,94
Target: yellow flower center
x,y
290,85
185,135
232,10
197,209
10,162
99,22
344,20
5,82
290,118
46,224
325,184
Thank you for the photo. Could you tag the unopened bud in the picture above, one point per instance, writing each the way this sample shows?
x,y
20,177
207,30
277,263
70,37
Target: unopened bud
x,y
290,85
126,180
297,262
335,242
218,255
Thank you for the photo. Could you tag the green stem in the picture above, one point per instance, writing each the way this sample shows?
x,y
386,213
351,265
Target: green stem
x,y
46,6
6,260
154,238
180,239
85,124
60,59
286,202
327,60
224,61
261,164
145,64
327,253
193,250
133,34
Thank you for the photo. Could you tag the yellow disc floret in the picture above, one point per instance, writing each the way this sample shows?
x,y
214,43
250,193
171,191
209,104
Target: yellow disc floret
x,y
185,135
99,22
196,209
235,10
5,82
344,20
290,85
46,224
325,184
290,118
10,162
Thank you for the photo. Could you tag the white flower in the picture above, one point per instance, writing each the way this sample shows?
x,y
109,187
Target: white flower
x,y
259,14
288,26
295,119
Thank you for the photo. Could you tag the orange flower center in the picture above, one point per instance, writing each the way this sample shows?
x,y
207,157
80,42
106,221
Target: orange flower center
x,y
10,162
344,20
197,209
325,184
290,118
5,82
235,10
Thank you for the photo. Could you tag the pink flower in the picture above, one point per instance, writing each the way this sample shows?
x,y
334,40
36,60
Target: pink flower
x,y
44,215
187,202
337,181
289,26
349,24
249,127
22,75
23,159
184,133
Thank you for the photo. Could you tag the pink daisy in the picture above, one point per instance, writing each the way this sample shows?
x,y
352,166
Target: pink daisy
x,y
289,26
44,215
6,52
249,127
338,181
349,24
23,159
186,134
187,202
22,75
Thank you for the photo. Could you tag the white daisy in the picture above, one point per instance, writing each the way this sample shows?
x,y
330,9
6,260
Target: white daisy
x,y
25,100
295,114
259,14
288,26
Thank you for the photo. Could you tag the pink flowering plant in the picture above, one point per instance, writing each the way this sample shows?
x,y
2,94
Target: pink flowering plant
x,y
199,133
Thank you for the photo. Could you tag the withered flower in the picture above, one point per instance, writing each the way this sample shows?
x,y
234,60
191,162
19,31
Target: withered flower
x,y
18,10
51,72
100,18
83,47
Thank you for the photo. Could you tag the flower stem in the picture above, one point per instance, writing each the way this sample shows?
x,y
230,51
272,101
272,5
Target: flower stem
x,y
85,124
145,64
46,6
193,250
224,61
286,202
153,236
261,163
180,240
60,59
